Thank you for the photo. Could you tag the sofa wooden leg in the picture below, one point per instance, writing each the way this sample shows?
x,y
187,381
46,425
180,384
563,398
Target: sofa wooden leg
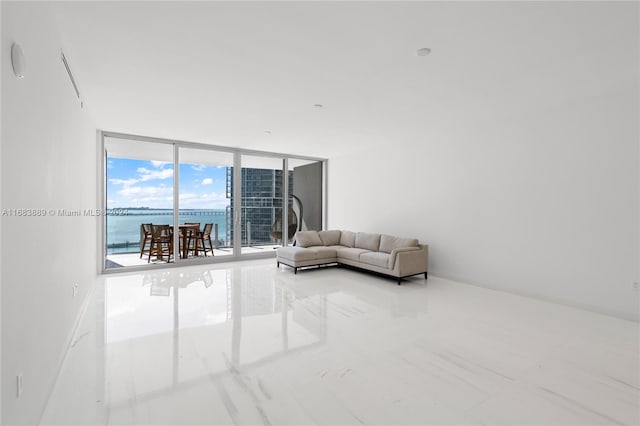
x,y
399,280
278,263
425,275
295,270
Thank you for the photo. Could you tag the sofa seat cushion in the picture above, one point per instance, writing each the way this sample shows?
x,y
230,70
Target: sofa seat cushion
x,y
297,253
301,254
368,241
323,252
376,259
351,253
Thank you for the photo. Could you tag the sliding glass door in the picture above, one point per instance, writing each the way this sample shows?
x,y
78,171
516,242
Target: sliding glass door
x,y
267,189
261,195
205,211
171,202
139,192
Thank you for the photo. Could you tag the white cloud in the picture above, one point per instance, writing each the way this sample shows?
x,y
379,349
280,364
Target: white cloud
x,y
210,200
137,191
146,188
125,182
198,167
146,174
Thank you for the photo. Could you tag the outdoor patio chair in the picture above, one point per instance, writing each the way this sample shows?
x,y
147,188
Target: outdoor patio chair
x,y
161,242
203,237
146,238
192,235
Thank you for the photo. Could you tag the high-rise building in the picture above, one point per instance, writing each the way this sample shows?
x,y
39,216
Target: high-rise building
x,y
261,204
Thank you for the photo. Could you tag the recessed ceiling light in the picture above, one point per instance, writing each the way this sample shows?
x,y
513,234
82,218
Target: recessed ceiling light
x,y
423,51
267,132
317,105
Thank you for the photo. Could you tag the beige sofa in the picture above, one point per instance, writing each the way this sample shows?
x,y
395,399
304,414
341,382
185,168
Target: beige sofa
x,y
384,254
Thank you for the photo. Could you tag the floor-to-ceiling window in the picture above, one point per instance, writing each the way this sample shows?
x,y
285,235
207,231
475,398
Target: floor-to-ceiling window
x,y
138,192
261,198
169,202
205,202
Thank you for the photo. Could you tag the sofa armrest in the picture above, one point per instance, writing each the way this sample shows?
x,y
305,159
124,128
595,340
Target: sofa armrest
x,y
409,260
394,254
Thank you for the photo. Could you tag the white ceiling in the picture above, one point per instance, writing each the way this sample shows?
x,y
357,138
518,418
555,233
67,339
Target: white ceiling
x,y
223,73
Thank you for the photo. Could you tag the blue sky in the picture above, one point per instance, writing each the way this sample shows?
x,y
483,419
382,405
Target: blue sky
x,y
143,183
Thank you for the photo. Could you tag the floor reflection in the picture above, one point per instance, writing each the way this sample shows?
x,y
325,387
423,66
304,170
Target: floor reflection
x,y
168,330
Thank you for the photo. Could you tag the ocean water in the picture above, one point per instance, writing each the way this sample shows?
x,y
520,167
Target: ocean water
x,y
123,228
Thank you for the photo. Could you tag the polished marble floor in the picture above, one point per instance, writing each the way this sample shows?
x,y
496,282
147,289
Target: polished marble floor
x,y
248,343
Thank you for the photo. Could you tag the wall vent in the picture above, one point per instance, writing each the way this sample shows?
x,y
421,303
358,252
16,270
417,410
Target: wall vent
x,y
73,80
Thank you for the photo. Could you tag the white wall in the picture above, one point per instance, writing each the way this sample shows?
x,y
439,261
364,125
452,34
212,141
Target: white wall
x,y
1,62
48,154
532,186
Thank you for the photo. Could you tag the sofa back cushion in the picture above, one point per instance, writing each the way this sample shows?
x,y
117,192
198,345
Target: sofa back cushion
x,y
368,241
330,238
348,239
308,239
389,242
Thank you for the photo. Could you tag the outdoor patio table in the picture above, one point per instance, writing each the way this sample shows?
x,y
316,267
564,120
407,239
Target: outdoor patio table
x,y
184,235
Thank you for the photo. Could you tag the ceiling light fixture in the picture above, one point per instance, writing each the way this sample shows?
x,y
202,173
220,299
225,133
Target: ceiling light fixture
x,y
317,105
423,51
267,132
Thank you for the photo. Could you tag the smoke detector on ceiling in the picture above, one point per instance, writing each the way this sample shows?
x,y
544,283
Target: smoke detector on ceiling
x,y
17,60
